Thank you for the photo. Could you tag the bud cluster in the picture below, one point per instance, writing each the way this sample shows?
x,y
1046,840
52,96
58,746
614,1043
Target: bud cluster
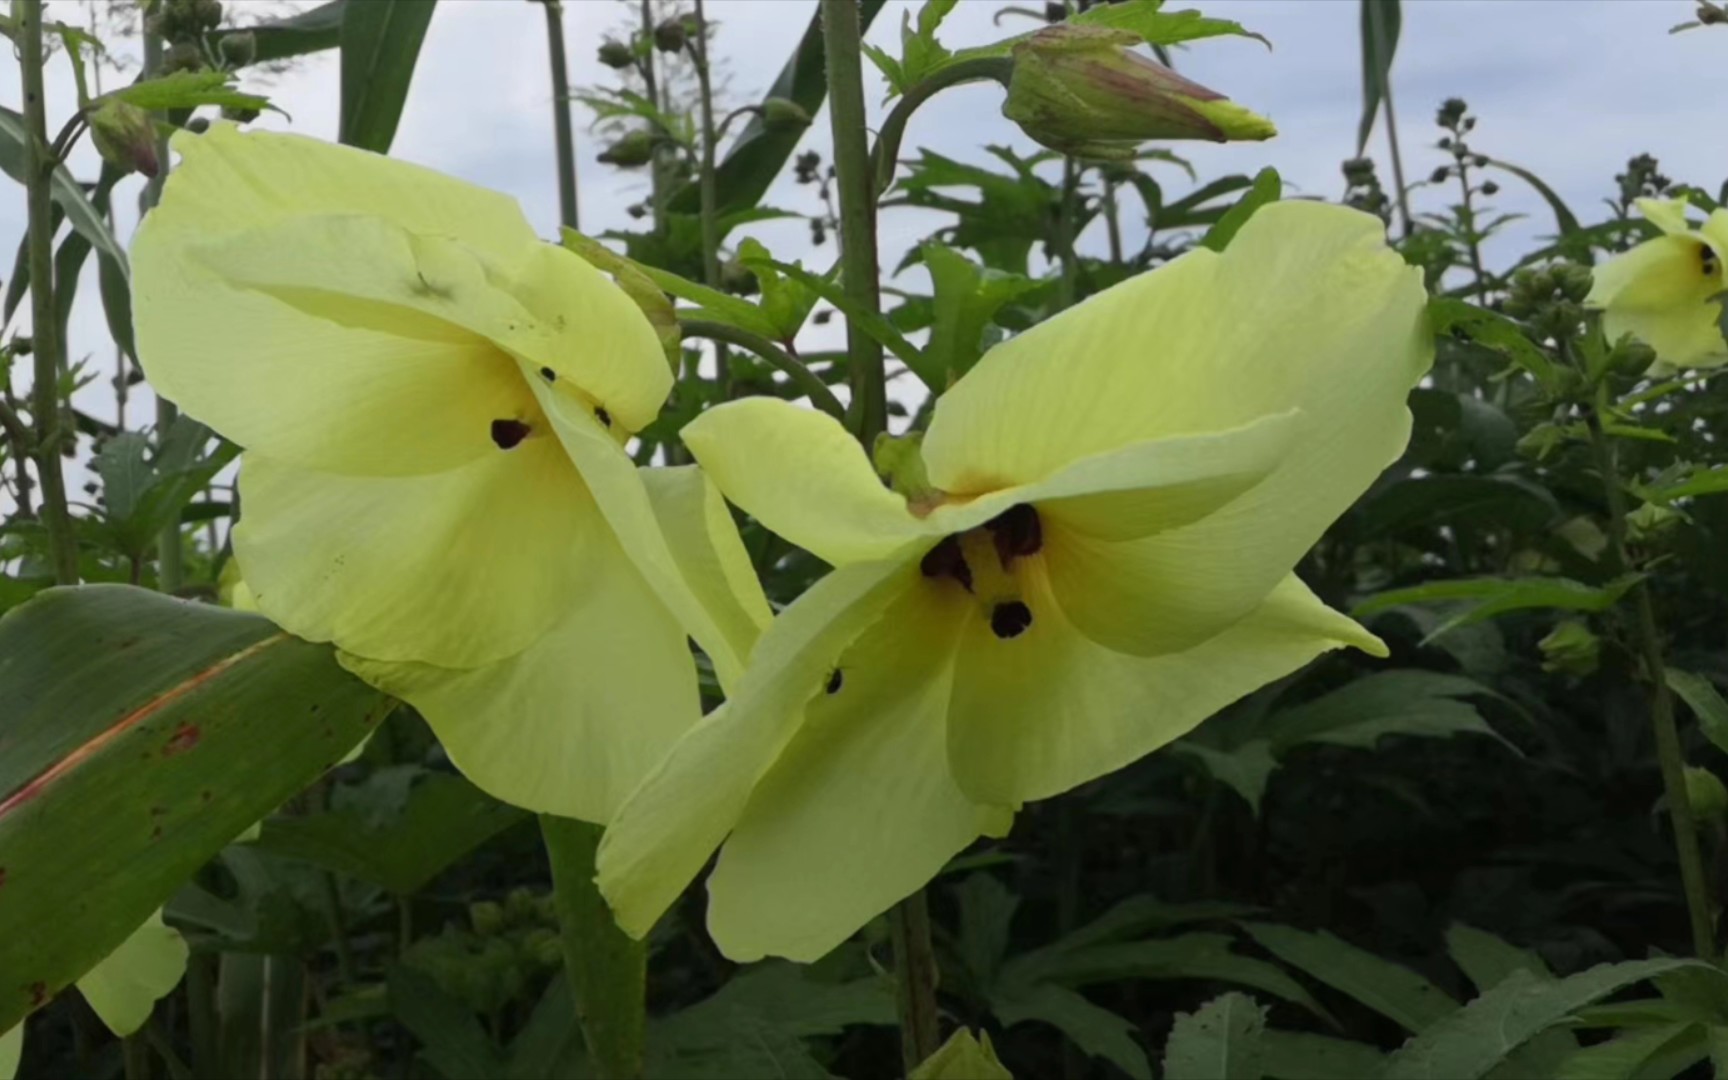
x,y
1454,117
1362,189
1643,179
499,956
1550,298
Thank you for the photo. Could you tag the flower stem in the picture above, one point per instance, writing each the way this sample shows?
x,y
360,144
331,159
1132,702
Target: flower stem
x,y
855,185
814,388
170,570
1377,20
1068,285
1668,753
707,182
608,971
564,141
45,321
886,155
915,975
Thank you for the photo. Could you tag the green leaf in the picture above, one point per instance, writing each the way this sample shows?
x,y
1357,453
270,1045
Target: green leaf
x,y
1381,23
1391,990
1158,27
1637,1054
452,1040
967,297
1488,960
1706,704
785,302
188,90
1246,768
1222,1041
310,31
380,44
870,322
1299,1055
124,472
1267,188
1139,914
1564,219
760,151
443,818
1448,316
1703,482
141,735
1415,703
1496,596
986,909
550,1044
1474,1039
1095,1030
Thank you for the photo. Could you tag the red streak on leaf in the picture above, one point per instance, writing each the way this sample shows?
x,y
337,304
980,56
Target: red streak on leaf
x,y
185,737
38,994
126,723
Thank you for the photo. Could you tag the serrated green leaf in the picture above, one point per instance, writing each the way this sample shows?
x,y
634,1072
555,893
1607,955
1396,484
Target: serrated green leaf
x,y
1496,596
1392,990
188,90
1219,1042
1095,1030
1423,704
1299,1055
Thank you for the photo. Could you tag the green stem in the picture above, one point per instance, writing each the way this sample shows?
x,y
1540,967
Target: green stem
x,y
1377,20
201,1018
814,388
564,141
1468,216
855,186
607,970
915,975
886,155
45,321
170,567
1668,753
651,86
135,1057
708,182
1068,284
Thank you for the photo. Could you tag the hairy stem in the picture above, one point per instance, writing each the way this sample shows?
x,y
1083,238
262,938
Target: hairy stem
x,y
1668,753
45,321
855,186
915,976
564,141
805,379
885,157
608,971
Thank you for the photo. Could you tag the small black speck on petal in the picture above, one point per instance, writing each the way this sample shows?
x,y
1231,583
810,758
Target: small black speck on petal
x,y
1010,619
506,434
604,417
835,681
548,374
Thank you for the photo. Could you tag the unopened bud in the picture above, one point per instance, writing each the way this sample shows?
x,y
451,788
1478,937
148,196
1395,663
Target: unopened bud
x,y
783,113
1631,357
1055,11
238,49
125,136
1572,648
635,148
616,54
1650,521
486,916
1082,91
670,36
183,56
1440,175
1489,187
209,13
1573,280
899,459
1707,796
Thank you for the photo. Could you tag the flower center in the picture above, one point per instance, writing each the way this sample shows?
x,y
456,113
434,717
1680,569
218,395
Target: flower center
x,y
506,434
982,561
1707,256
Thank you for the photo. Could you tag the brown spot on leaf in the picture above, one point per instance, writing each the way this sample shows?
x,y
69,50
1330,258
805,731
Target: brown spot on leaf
x,y
185,737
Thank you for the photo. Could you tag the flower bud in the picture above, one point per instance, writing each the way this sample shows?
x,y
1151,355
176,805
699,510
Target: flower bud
x,y
635,148
1650,521
1572,648
1707,795
209,13
487,917
183,56
238,49
899,459
670,36
616,54
125,136
782,113
1631,357
1440,175
1489,187
1081,91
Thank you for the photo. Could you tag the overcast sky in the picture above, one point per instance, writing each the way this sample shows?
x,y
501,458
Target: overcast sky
x,y
1567,89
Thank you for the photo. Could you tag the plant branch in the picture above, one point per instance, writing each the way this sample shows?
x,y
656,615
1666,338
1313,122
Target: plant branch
x,y
885,156
39,164
1377,20
805,379
565,142
915,975
855,186
1668,752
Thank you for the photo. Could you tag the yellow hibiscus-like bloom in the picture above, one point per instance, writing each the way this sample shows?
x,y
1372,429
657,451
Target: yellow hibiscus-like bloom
x,y
123,988
1122,492
433,404
1665,291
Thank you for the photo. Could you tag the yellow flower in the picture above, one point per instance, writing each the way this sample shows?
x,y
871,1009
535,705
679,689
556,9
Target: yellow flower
x,y
433,404
123,988
1665,291
1124,492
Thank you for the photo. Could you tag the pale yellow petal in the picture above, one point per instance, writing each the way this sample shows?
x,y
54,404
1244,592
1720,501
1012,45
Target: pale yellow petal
x,y
572,723
592,443
1669,215
860,809
800,474
1040,713
455,569
126,985
598,337
11,1049
1306,312
229,179
675,820
704,542
1661,293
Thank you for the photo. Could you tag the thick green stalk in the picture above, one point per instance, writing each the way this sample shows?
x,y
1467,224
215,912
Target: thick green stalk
x,y
1377,21
45,402
170,568
886,154
608,971
1068,285
1669,756
708,183
855,185
563,141
915,976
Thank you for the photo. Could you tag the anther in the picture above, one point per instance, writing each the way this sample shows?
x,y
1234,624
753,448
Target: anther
x,y
1707,255
507,433
1017,532
1010,619
947,560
